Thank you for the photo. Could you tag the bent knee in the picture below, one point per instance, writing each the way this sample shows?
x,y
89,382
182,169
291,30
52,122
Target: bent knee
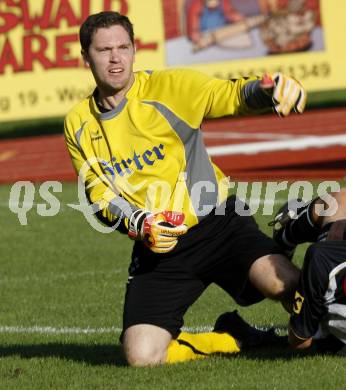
x,y
340,198
274,276
335,207
142,356
143,345
341,195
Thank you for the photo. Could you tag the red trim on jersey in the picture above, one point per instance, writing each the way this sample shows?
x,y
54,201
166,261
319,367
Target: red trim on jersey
x,y
345,285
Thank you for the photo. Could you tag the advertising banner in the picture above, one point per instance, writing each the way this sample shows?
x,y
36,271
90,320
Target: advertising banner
x,y
42,73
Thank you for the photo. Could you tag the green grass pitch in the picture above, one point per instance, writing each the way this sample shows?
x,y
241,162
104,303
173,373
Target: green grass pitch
x,y
61,288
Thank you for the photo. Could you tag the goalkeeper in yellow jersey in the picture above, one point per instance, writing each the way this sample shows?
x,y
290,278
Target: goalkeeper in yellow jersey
x,y
136,143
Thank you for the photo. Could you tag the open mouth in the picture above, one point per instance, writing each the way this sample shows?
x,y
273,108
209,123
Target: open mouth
x,y
116,71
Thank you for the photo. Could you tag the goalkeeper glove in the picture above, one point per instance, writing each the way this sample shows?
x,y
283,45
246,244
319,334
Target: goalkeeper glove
x,y
159,231
287,93
293,225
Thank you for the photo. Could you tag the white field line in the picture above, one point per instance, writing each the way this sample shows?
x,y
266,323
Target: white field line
x,y
65,206
32,206
273,146
61,276
240,135
50,330
46,330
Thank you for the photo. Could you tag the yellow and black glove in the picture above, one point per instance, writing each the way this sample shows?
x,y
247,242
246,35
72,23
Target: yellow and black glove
x,y
286,92
159,231
280,92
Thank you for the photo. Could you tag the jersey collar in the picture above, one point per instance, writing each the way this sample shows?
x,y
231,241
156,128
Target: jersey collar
x,y
117,110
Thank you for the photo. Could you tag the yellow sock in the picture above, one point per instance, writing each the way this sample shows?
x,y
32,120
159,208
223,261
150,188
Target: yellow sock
x,y
191,346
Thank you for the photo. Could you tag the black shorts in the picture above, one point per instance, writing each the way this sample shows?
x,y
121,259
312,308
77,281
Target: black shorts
x,y
220,249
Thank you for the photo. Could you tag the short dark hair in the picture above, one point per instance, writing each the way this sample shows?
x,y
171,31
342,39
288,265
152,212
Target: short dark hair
x,y
103,19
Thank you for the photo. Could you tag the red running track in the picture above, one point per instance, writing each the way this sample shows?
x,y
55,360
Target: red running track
x,y
308,146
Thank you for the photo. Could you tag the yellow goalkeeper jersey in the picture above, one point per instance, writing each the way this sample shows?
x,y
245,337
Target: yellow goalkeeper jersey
x,y
148,152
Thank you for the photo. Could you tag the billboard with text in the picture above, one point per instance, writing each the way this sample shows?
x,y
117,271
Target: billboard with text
x,y
42,73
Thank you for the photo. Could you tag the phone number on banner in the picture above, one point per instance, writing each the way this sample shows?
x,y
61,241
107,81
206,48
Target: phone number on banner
x,y
300,71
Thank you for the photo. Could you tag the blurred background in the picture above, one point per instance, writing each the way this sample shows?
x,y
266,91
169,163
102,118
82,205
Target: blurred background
x,y
42,76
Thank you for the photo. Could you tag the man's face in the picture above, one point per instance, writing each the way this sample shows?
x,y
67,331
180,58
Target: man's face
x,y
110,58
212,3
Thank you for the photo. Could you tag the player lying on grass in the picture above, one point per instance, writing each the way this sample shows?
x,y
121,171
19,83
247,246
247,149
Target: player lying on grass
x,y
319,312
138,135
